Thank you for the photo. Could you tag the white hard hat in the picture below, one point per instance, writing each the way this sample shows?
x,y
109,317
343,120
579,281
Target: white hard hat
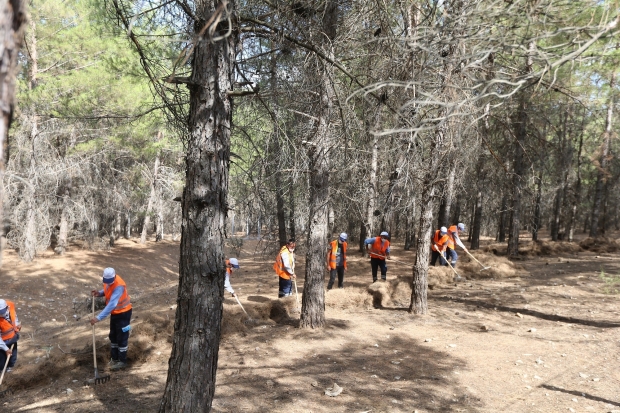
x,y
343,236
234,262
108,275
3,307
461,226
384,234
443,230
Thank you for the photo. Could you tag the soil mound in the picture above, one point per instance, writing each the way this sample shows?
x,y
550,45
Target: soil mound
x,y
439,275
600,244
380,293
499,267
350,297
552,248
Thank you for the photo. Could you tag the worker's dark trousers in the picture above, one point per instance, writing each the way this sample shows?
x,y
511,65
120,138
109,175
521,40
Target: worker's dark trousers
x,y
286,287
434,256
13,358
118,337
375,263
332,277
451,254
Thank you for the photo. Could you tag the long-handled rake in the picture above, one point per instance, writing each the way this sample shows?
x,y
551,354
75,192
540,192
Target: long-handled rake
x,y
474,258
249,320
297,296
6,391
457,277
99,379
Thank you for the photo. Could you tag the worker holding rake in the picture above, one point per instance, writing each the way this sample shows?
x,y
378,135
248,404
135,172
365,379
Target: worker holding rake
x,y
285,269
378,249
9,334
453,235
118,304
230,264
439,246
337,260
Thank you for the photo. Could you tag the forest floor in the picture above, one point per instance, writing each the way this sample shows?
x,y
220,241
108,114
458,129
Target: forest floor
x,y
542,338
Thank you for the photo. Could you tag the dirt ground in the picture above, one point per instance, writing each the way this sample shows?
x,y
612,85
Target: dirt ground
x,y
537,335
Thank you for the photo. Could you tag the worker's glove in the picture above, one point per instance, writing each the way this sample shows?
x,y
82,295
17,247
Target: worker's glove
x,y
93,321
8,352
233,294
18,328
293,276
94,293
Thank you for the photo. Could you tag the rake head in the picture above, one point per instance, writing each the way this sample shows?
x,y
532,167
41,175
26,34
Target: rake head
x,y
6,392
99,379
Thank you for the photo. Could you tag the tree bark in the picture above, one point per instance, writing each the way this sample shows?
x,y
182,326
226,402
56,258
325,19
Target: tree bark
x,y
372,179
313,299
501,236
190,385
64,223
601,176
576,198
443,219
537,209
152,199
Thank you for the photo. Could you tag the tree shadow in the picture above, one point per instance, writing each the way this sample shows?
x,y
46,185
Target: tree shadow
x,y
580,394
533,313
393,375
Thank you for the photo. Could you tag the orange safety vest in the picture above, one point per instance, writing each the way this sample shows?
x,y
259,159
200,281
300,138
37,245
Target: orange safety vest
x,y
439,240
7,329
331,255
228,269
279,265
124,303
378,248
452,229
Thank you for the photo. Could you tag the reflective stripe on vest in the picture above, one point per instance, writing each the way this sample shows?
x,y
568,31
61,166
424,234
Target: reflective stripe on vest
x,y
378,248
124,302
333,251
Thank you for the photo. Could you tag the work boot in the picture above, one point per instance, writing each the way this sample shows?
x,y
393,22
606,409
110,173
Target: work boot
x,y
118,366
112,362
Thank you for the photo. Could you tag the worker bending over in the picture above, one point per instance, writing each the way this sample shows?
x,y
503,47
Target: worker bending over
x,y
439,246
453,234
378,249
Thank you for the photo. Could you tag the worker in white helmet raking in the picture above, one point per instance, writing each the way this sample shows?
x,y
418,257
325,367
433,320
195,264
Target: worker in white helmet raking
x,y
230,264
337,260
453,238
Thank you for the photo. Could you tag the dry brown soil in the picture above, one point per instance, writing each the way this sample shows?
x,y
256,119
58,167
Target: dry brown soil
x,y
544,339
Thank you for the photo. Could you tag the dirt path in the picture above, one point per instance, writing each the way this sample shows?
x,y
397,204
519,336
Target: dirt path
x,y
545,341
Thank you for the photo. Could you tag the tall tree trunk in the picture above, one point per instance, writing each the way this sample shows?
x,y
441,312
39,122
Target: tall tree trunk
x,y
501,235
443,219
276,152
419,304
576,198
537,212
128,225
373,191
313,299
601,176
477,224
152,199
291,216
520,126
12,23
64,222
190,385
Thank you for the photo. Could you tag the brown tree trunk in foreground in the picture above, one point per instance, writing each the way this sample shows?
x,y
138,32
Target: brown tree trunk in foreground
x,y
313,300
190,385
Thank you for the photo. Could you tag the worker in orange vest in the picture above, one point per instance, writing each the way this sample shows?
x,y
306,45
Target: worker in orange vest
x,y
453,234
379,249
337,260
439,246
118,304
9,334
285,269
230,264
